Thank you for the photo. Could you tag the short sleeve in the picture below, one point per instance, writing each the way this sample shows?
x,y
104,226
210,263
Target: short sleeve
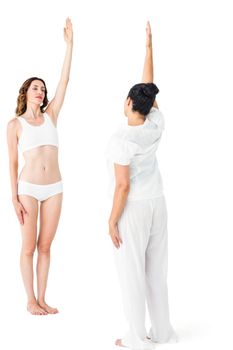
x,y
120,151
157,117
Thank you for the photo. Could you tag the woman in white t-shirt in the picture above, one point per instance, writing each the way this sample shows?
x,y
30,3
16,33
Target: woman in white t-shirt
x,y
138,220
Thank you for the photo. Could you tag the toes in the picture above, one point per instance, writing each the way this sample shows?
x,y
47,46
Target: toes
x,y
44,311
54,311
36,310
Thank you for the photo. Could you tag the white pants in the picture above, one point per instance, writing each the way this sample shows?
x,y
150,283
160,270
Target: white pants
x,y
141,262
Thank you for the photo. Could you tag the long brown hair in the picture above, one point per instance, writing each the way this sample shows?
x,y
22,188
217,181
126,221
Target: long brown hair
x,y
22,98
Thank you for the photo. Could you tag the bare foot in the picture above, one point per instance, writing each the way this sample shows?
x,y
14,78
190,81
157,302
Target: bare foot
x,y
47,308
118,342
35,309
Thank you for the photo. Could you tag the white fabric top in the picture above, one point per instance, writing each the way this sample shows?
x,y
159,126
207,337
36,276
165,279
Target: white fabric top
x,y
37,135
136,146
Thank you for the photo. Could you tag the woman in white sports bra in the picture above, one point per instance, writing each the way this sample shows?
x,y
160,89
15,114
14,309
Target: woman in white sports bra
x,y
34,131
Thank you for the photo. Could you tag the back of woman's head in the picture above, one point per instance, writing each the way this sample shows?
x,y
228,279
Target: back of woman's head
x,y
143,96
22,97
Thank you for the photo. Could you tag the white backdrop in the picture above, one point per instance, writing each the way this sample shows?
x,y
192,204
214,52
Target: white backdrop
x,y
193,69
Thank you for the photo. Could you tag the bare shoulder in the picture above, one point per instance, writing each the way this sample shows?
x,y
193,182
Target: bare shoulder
x,y
13,125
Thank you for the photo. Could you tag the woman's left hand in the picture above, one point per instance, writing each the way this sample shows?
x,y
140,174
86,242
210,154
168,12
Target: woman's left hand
x,y
115,236
148,35
68,31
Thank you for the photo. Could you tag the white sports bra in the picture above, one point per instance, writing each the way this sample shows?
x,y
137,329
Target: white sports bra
x,y
34,136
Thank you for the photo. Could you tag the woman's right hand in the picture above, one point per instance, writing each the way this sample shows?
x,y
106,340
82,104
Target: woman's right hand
x,y
20,210
115,235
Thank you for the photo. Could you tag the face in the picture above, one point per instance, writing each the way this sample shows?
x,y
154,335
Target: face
x,y
36,92
128,106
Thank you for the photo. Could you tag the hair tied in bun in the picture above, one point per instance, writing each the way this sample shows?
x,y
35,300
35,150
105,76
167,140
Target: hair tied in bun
x,y
146,91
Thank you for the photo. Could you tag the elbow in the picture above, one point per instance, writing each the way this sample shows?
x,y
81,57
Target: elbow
x,y
123,187
13,164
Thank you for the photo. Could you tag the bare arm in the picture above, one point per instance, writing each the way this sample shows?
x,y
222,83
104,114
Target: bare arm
x,y
13,155
56,103
119,200
13,166
148,69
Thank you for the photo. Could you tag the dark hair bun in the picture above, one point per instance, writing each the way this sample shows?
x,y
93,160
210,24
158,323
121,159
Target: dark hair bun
x,y
143,96
150,90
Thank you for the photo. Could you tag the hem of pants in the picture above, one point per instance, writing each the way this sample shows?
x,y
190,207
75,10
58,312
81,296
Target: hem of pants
x,y
173,338
143,345
134,342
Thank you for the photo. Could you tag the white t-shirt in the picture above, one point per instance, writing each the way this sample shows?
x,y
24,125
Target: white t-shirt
x,y
136,146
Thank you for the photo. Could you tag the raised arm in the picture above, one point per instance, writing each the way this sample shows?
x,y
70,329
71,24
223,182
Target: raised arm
x,y
148,69
56,103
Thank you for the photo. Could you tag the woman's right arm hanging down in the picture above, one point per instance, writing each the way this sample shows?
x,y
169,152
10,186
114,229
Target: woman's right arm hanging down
x,y
13,167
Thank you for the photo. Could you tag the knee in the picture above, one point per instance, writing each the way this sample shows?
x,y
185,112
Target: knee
x,y
28,250
43,248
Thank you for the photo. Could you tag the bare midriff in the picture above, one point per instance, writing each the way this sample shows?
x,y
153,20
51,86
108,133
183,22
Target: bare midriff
x,y
41,165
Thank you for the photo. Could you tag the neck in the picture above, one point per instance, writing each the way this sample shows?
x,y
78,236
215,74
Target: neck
x,y
33,110
135,118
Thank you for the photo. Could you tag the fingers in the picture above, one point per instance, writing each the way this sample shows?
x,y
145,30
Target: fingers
x,y
20,217
148,29
118,235
21,212
116,242
23,209
115,236
116,239
68,22
68,31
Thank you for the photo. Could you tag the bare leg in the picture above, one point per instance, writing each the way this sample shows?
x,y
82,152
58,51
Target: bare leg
x,y
49,217
29,233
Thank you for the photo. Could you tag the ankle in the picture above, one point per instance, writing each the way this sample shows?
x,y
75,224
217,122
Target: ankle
x,y
32,300
41,300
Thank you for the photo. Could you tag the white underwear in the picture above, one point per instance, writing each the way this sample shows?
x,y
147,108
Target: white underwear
x,y
40,192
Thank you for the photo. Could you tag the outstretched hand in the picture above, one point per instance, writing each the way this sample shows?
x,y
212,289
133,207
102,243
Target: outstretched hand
x,y
68,31
148,35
